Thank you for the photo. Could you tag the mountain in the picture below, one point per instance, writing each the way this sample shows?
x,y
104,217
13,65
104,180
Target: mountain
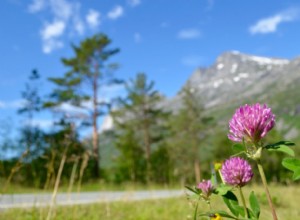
x,y
236,78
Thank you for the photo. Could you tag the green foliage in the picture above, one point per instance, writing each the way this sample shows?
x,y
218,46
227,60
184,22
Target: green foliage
x,y
88,73
254,205
282,146
189,130
232,203
130,166
141,129
292,164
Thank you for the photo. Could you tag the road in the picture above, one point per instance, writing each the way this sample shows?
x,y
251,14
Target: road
x,y
37,200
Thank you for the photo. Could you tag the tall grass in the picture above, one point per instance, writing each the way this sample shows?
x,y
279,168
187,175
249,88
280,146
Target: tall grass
x,y
286,200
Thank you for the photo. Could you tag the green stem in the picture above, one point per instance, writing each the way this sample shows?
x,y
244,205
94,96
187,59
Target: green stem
x,y
264,181
196,209
243,201
221,176
209,205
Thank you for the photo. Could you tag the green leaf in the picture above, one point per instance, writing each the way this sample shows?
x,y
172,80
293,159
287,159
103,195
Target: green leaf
x,y
232,203
254,205
193,190
296,175
237,148
251,214
222,189
284,149
284,143
291,163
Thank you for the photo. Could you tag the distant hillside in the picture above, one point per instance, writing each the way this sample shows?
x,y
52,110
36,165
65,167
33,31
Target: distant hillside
x,y
236,78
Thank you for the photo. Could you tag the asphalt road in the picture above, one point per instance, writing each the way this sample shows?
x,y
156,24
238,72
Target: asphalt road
x,y
37,200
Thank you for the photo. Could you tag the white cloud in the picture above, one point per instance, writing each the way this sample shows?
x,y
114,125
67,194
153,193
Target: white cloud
x,y
36,6
50,36
19,103
2,105
192,61
53,30
71,111
134,3
189,33
62,9
137,37
51,45
41,123
65,19
93,18
115,13
78,25
270,24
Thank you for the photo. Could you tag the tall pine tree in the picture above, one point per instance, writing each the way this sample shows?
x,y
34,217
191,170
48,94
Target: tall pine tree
x,y
88,73
189,128
140,118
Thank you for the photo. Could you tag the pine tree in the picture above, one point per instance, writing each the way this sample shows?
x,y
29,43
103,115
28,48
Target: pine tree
x,y
89,72
189,128
139,114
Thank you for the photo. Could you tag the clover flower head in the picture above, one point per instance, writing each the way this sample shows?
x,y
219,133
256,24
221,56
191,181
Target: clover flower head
x,y
206,188
236,171
251,123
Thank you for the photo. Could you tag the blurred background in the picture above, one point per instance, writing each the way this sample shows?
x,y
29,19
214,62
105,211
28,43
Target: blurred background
x,y
140,92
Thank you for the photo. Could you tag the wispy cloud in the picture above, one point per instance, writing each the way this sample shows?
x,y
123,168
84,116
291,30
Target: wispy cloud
x,y
192,61
41,123
36,6
19,103
164,24
191,33
2,104
116,12
93,18
65,18
210,4
137,37
50,35
270,24
134,3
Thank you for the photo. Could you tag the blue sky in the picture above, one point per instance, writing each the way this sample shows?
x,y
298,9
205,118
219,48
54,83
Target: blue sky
x,y
167,39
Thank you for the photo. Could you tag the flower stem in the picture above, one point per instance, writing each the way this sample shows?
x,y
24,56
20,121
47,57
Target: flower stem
x,y
209,205
221,176
196,209
264,181
243,201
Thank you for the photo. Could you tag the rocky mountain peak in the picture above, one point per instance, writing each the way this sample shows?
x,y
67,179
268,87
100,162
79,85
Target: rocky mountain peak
x,y
236,75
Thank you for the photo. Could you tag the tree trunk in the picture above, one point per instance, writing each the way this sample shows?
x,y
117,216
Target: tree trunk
x,y
147,145
95,125
197,171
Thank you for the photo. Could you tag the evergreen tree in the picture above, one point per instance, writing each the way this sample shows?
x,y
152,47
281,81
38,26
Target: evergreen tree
x,y
189,128
140,118
31,134
89,72
131,166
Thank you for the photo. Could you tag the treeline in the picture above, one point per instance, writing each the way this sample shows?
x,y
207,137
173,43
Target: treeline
x,y
152,141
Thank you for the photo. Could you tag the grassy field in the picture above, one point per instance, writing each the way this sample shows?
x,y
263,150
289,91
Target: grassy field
x,y
87,187
286,199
